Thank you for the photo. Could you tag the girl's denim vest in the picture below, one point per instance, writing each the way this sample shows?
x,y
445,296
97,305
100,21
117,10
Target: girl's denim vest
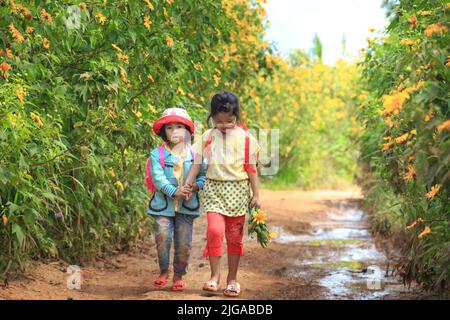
x,y
162,204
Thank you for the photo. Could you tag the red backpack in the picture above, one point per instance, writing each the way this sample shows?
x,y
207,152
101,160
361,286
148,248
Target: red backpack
x,y
247,166
148,177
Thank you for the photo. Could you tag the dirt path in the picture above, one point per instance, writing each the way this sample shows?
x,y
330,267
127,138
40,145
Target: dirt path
x,y
324,251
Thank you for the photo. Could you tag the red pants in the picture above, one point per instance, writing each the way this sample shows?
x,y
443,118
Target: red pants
x,y
232,227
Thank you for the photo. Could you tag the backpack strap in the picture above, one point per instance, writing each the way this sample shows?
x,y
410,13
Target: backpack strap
x,y
148,177
193,153
247,166
208,143
161,155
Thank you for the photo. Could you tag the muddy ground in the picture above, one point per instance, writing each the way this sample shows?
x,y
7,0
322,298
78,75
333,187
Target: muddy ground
x,y
324,251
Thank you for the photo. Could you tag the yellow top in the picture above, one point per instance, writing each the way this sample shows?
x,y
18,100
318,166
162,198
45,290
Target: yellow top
x,y
178,157
227,154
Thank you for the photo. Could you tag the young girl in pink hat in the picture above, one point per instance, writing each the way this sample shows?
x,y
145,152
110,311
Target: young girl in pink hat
x,y
174,216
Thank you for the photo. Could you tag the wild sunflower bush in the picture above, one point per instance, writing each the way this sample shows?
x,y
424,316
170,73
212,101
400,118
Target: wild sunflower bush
x,y
312,104
405,143
80,85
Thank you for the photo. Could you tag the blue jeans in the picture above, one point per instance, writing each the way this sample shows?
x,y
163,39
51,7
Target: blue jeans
x,y
178,228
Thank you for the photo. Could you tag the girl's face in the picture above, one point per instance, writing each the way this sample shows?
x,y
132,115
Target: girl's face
x,y
175,132
224,121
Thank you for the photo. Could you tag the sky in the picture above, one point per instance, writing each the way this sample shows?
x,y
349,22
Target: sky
x,y
293,24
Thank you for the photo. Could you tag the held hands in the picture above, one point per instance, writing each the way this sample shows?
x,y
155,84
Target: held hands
x,y
183,192
186,190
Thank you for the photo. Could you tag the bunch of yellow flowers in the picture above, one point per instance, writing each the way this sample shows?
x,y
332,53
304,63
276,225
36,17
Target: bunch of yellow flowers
x,y
257,223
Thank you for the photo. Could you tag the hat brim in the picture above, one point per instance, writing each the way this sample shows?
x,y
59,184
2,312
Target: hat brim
x,y
158,124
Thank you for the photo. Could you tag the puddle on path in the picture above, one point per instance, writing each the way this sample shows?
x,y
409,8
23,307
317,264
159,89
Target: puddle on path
x,y
345,261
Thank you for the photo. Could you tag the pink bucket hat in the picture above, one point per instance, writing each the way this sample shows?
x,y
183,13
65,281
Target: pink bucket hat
x,y
173,115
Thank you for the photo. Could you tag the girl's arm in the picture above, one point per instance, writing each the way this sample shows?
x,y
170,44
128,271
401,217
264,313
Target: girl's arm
x,y
160,181
195,170
254,182
193,173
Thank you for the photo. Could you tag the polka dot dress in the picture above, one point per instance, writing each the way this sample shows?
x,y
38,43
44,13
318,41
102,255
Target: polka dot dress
x,y
230,198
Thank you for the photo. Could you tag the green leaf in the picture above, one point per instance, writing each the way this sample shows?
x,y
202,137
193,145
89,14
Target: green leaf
x,y
17,230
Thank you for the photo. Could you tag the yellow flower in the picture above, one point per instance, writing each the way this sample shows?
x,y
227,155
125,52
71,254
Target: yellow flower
x,y
29,30
181,91
389,122
147,22
150,5
425,231
101,18
5,219
111,172
415,223
46,43
272,235
407,42
123,76
36,119
16,33
444,126
4,67
46,17
21,11
259,217
434,190
214,57
393,103
371,30
9,53
428,116
116,47
20,93
402,138
388,145
138,114
197,66
149,77
169,41
410,174
123,57
424,13
434,28
413,21
83,6
152,108
216,80
119,184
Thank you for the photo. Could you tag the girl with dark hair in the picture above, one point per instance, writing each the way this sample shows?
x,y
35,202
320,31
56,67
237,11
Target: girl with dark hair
x,y
231,186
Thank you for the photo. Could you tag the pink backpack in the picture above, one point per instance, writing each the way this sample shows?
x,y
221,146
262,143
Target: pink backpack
x,y
148,177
